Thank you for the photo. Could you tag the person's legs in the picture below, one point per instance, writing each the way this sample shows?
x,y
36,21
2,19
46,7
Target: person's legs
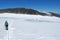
x,y
6,27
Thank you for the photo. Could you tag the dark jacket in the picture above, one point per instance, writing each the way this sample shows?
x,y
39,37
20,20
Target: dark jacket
x,y
6,24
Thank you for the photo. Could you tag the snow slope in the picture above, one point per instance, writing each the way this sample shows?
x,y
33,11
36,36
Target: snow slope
x,y
29,27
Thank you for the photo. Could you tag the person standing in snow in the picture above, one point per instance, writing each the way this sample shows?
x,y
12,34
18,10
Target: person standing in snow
x,y
6,25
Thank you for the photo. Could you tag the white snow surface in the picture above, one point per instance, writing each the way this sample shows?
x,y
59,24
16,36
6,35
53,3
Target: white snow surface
x,y
29,27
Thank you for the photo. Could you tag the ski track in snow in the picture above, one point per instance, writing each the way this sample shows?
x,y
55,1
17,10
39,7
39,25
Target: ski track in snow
x,y
29,27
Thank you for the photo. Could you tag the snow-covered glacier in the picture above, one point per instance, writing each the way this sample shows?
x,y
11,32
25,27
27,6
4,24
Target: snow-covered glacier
x,y
29,27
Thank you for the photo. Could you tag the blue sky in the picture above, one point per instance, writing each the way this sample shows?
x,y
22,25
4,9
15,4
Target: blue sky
x,y
41,5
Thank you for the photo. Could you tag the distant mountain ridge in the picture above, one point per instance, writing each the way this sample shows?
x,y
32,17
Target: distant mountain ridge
x,y
27,11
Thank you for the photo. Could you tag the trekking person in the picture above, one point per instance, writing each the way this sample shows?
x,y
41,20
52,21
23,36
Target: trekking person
x,y
6,25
